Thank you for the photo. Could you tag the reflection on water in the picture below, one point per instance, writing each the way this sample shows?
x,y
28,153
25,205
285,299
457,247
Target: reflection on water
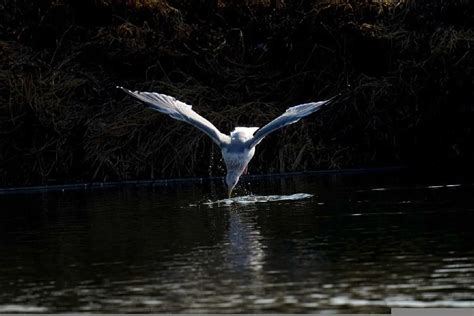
x,y
350,244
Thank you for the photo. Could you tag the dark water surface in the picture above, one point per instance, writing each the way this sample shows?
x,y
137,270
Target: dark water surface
x,y
360,243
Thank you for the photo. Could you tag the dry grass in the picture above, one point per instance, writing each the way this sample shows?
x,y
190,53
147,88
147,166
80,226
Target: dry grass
x,y
404,67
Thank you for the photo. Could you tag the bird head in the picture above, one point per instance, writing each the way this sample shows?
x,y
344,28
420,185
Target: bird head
x,y
231,180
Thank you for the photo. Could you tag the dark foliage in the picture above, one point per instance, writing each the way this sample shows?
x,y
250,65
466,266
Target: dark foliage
x,y
405,69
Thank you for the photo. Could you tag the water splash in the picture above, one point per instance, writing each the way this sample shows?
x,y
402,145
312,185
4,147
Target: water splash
x,y
252,199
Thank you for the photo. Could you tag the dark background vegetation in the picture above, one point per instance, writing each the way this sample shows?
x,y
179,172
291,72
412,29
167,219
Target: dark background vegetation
x,y
405,69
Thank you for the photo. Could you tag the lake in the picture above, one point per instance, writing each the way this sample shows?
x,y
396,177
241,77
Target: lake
x,y
346,243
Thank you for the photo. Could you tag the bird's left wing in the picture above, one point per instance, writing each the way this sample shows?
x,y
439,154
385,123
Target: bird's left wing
x,y
179,111
292,115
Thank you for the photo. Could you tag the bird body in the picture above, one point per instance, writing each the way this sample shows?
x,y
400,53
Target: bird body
x,y
238,148
237,155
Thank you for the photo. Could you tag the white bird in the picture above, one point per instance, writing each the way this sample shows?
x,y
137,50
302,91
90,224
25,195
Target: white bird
x,y
238,148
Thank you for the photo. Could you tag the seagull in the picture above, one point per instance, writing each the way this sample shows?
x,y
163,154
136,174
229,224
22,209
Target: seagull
x,y
238,148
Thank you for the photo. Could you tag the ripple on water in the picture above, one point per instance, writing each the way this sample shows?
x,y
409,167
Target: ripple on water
x,y
401,303
252,199
12,308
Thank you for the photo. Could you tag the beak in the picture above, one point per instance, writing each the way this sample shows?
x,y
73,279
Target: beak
x,y
229,192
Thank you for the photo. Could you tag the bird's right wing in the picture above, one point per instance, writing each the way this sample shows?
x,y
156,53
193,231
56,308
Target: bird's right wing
x,y
292,115
179,111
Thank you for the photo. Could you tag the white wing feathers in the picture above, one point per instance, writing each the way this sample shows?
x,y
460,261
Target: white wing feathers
x,y
179,111
291,115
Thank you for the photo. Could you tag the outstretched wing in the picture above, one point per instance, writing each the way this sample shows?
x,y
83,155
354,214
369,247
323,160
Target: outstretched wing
x,y
179,111
292,115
